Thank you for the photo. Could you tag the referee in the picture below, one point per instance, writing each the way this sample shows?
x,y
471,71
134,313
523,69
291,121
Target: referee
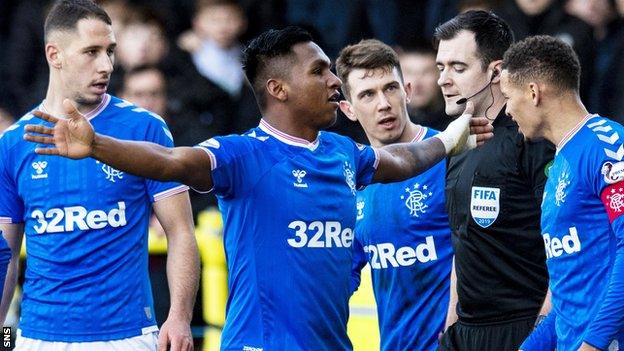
x,y
493,197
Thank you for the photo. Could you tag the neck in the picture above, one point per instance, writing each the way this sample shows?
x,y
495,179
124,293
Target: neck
x,y
54,100
565,114
284,120
490,109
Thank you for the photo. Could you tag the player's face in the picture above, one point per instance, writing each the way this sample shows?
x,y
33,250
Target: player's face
x,y
313,88
461,73
87,57
379,102
520,107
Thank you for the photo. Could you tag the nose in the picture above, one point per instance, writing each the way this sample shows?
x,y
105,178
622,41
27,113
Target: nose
x,y
334,82
443,79
383,103
105,64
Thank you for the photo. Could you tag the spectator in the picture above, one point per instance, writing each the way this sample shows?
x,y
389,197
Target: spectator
x,y
425,105
27,76
146,86
531,17
213,46
606,94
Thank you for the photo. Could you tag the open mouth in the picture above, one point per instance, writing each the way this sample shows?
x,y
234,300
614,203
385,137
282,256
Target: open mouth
x,y
334,98
100,87
387,122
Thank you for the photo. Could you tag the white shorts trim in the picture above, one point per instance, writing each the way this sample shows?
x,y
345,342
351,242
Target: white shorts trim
x,y
146,342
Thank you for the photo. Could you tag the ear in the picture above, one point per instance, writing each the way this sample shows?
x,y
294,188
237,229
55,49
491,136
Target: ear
x,y
408,91
496,68
347,109
536,93
53,55
276,89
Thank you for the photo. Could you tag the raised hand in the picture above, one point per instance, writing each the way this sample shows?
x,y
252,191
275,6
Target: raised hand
x,y
72,137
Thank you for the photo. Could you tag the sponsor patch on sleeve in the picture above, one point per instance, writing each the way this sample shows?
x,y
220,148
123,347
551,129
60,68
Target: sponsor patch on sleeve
x,y
613,199
613,172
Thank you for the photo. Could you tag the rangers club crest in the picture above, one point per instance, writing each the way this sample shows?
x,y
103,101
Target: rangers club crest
x,y
349,176
415,199
560,193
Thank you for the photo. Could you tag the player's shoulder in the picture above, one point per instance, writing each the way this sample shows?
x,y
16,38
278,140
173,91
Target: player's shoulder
x,y
14,134
127,112
331,138
253,139
602,136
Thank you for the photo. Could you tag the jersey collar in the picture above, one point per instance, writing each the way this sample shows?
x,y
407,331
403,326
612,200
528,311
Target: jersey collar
x,y
286,138
570,134
91,114
420,134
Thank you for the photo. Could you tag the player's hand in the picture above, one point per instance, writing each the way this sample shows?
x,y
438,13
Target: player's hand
x,y
587,347
175,333
72,137
466,132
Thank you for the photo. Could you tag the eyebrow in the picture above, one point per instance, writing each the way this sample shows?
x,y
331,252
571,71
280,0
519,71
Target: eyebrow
x,y
97,47
453,63
321,62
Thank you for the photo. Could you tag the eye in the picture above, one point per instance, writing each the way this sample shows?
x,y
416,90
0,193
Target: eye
x,y
91,52
110,52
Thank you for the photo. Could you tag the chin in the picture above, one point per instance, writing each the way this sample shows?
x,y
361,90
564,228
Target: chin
x,y
329,121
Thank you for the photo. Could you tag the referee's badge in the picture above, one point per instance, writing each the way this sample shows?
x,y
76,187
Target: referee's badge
x,y
484,205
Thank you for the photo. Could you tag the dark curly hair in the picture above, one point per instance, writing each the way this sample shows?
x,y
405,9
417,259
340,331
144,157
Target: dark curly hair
x,y
546,58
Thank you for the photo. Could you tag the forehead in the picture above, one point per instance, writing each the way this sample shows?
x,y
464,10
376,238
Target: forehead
x,y
462,48
362,79
309,53
92,32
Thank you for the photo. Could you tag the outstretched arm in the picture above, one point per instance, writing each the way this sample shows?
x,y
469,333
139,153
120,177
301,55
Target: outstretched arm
x,y
405,160
75,138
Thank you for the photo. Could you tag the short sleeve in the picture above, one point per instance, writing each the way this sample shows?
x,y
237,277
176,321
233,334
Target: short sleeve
x,y
230,165
158,132
11,205
367,161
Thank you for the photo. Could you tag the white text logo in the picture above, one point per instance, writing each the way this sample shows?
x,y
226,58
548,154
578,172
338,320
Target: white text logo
x,y
323,234
386,255
68,219
569,244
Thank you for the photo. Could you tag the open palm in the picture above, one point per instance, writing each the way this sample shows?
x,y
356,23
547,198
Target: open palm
x,y
72,137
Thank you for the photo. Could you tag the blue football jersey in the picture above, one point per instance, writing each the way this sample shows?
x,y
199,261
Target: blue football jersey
x,y
402,231
288,209
86,231
583,236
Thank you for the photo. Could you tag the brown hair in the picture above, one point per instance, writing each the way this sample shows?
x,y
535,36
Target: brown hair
x,y
367,54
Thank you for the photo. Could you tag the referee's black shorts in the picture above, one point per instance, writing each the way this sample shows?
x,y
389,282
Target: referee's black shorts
x,y
506,336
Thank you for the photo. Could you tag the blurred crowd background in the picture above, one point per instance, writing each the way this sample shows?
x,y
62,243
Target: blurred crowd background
x,y
181,59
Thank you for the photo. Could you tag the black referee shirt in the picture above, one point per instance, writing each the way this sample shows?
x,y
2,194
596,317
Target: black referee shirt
x,y
493,197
